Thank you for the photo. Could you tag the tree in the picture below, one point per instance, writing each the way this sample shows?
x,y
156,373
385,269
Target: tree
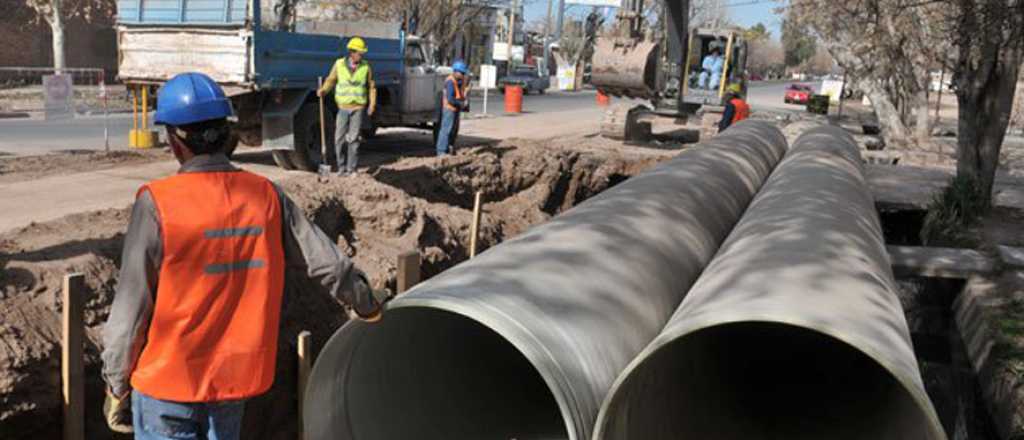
x,y
988,36
441,21
797,41
884,46
57,13
708,13
757,32
766,57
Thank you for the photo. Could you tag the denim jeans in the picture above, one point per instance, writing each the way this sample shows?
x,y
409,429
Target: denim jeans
x,y
444,136
347,129
154,419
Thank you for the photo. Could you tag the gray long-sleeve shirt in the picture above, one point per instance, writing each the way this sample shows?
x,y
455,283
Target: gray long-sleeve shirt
x,y
305,246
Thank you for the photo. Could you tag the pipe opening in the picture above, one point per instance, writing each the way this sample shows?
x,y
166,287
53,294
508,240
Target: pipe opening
x,y
431,374
760,380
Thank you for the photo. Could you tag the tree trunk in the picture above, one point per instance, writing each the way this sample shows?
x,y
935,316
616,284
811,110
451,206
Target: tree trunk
x,y
922,127
984,118
893,129
57,28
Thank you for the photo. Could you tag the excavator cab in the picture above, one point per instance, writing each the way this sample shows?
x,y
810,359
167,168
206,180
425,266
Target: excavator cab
x,y
716,58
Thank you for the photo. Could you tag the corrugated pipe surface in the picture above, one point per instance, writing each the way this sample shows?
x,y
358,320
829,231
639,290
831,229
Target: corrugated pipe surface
x,y
525,340
794,331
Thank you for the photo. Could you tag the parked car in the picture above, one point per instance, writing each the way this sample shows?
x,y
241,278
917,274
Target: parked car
x,y
755,77
798,93
528,78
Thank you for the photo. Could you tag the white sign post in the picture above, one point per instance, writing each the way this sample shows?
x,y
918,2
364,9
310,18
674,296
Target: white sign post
x,y
488,80
58,92
106,114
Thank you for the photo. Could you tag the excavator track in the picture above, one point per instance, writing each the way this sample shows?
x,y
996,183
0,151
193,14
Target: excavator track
x,y
627,123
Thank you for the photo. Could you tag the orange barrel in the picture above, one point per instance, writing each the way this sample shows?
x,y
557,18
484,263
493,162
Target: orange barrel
x,y
602,99
513,99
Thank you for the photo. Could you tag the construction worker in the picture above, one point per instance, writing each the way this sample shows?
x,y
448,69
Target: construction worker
x,y
454,102
736,109
351,79
193,329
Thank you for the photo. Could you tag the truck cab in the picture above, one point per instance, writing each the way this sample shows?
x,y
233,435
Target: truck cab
x,y
271,75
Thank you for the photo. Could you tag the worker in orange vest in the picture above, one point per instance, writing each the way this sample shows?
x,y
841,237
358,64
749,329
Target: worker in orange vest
x,y
453,102
194,326
736,109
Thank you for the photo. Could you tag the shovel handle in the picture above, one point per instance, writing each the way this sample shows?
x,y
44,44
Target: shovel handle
x,y
323,128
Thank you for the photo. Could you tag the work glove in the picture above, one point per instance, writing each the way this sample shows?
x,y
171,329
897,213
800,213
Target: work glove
x,y
117,411
381,297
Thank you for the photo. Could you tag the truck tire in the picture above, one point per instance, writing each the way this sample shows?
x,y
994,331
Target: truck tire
x,y
306,137
282,159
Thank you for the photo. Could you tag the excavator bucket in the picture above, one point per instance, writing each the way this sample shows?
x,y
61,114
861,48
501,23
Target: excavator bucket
x,y
625,67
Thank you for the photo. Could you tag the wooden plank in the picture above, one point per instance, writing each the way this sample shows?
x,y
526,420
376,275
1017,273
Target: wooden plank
x,y
939,262
408,271
72,364
475,229
305,351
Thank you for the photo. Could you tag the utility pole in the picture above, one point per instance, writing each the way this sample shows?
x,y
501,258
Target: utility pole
x,y
511,32
547,36
561,20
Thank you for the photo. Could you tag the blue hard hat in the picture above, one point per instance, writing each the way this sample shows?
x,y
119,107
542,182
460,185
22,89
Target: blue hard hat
x,y
189,98
461,67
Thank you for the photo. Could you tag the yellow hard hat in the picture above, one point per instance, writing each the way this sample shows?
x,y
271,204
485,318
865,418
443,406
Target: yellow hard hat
x,y
734,89
357,44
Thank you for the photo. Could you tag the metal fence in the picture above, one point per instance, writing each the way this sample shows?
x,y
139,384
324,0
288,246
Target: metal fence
x,y
22,90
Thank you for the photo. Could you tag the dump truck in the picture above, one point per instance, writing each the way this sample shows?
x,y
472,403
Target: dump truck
x,y
662,65
270,71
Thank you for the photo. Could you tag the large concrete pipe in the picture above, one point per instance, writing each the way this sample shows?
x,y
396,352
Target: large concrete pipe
x,y
524,340
794,330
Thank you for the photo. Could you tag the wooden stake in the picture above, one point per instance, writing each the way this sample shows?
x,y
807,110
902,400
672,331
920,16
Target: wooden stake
x,y
72,364
475,230
305,349
408,271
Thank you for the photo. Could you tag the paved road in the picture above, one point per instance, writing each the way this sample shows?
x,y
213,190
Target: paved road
x,y
35,136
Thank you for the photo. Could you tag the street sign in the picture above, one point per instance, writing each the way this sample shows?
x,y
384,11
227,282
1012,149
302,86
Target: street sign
x,y
606,3
58,93
488,76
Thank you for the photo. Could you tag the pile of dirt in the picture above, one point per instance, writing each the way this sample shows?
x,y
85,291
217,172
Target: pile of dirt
x,y
21,168
420,203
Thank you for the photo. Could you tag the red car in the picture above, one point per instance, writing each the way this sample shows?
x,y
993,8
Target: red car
x,y
798,93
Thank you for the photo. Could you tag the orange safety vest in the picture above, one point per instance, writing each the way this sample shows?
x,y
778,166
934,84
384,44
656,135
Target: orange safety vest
x,y
213,334
458,93
742,110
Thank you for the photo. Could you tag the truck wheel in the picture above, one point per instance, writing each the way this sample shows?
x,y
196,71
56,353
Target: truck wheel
x,y
306,154
231,145
282,159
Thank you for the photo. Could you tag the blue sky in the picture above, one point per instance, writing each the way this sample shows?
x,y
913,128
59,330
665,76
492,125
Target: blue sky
x,y
744,13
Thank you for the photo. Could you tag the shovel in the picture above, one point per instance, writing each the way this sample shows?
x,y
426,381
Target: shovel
x,y
324,171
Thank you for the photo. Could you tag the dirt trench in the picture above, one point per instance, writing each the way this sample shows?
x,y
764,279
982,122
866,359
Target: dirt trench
x,y
418,203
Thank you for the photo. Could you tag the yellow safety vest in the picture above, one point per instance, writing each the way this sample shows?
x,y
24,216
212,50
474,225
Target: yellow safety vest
x,y
352,86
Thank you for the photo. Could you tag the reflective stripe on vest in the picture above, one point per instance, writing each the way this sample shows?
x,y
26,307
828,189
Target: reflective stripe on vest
x,y
213,334
742,110
352,86
458,93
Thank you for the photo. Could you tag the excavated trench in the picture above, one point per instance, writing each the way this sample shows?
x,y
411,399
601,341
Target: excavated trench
x,y
412,204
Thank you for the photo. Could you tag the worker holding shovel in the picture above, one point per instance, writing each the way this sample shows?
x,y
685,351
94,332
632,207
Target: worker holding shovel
x,y
194,326
351,79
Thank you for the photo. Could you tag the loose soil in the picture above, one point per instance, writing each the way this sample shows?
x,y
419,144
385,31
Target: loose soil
x,y
416,203
21,168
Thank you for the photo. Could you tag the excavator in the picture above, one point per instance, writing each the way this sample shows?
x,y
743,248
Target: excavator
x,y
664,65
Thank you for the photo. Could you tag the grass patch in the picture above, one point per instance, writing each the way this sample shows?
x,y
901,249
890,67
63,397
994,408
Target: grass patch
x,y
953,211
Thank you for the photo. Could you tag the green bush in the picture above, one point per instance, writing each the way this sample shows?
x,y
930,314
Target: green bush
x,y
954,210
